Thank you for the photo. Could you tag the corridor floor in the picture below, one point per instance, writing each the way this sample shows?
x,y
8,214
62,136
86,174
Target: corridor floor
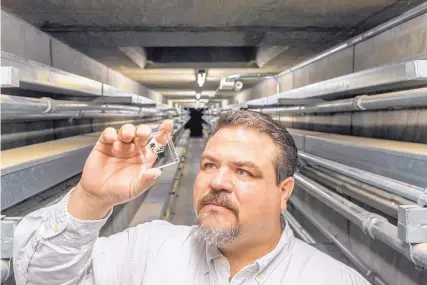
x,y
183,206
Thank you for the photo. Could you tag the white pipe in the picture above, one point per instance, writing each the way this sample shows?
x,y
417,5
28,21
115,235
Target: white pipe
x,y
249,75
368,273
420,9
375,225
411,192
379,203
24,105
400,99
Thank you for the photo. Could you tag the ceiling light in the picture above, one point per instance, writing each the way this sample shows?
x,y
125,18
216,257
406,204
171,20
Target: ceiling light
x,y
226,85
201,78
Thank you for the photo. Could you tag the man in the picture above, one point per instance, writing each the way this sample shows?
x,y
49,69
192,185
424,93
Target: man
x,y
243,185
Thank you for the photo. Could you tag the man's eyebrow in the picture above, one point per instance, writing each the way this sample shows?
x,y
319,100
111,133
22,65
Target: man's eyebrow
x,y
235,163
248,164
208,157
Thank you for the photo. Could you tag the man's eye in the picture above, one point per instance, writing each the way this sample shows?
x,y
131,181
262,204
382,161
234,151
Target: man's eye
x,y
209,165
243,172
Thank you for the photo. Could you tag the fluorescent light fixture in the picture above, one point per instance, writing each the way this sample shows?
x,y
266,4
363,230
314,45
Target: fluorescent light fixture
x,y
201,78
208,93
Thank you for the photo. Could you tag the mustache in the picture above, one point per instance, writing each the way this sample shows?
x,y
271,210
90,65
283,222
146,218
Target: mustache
x,y
218,198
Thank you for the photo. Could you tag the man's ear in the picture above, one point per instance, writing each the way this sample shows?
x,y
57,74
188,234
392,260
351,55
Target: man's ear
x,y
286,187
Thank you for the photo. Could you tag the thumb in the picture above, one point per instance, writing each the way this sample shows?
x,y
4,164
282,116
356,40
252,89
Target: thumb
x,y
147,178
151,174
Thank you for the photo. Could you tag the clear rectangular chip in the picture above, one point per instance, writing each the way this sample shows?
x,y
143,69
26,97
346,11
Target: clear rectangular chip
x,y
160,150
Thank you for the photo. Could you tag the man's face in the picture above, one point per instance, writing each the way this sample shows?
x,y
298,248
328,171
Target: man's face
x,y
236,185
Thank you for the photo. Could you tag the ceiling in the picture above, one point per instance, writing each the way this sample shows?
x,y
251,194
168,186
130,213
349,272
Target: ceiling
x,y
163,43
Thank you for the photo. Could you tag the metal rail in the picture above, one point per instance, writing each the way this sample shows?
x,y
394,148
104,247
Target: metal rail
x,y
388,206
393,100
16,105
368,273
411,192
376,226
402,161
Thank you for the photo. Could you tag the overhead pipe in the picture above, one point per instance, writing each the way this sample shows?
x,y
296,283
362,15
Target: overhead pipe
x,y
255,75
400,99
386,206
16,104
298,228
248,75
76,115
414,12
411,192
45,105
376,226
363,268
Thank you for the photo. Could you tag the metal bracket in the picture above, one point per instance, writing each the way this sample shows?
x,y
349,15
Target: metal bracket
x,y
8,226
369,222
78,115
51,107
412,223
9,77
422,199
357,103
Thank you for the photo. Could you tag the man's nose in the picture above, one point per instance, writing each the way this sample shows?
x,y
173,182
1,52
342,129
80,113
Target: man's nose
x,y
222,180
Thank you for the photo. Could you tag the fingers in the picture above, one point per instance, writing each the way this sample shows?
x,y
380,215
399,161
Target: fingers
x,y
127,133
166,126
108,136
165,129
143,133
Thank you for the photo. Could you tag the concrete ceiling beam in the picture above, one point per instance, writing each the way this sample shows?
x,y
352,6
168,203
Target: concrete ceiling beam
x,y
266,54
136,54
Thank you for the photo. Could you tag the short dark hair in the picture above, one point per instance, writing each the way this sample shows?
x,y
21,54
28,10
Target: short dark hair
x,y
287,159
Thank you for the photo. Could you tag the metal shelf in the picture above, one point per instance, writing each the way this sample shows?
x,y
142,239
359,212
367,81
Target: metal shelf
x,y
403,161
384,78
40,77
30,170
18,72
114,95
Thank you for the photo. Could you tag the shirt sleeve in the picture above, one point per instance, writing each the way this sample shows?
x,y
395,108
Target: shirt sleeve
x,y
52,247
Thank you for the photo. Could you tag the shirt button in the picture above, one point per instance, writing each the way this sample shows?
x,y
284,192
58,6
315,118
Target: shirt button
x,y
260,276
222,261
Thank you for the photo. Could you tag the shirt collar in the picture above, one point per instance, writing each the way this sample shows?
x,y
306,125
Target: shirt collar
x,y
285,243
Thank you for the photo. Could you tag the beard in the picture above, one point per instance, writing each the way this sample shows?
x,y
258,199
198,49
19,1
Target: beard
x,y
217,236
